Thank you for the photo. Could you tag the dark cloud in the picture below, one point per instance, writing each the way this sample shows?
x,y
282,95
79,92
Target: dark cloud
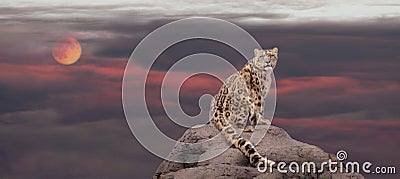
x,y
193,88
101,149
96,113
17,99
185,48
335,48
122,51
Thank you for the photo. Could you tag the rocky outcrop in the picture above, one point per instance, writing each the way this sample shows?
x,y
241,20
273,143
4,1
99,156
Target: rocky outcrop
x,y
277,145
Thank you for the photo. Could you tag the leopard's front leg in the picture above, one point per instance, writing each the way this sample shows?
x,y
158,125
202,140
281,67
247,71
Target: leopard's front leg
x,y
258,112
252,115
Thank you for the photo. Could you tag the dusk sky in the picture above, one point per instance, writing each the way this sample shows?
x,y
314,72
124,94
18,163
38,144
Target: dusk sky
x,y
338,79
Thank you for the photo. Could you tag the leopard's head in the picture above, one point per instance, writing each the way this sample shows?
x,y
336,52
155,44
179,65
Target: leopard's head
x,y
265,59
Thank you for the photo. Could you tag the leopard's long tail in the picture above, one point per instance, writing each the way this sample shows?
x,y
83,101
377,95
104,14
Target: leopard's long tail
x,y
245,146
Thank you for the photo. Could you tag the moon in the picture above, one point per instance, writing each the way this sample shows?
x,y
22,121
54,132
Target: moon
x,y
67,51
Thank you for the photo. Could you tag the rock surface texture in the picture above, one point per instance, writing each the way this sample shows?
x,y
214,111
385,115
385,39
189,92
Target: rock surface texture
x,y
277,145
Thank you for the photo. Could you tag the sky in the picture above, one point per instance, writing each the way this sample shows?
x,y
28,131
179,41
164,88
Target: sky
x,y
337,79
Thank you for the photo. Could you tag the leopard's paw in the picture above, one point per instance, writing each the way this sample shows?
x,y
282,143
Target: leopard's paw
x,y
248,129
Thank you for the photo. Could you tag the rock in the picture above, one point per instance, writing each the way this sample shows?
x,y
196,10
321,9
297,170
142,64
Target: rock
x,y
277,145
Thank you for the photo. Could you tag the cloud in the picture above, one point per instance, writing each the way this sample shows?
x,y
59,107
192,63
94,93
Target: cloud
x,y
41,116
101,149
326,96
257,12
69,90
337,80
361,127
335,86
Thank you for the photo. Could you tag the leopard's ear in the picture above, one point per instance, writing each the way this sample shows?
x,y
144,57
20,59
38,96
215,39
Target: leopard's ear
x,y
275,51
256,52
272,52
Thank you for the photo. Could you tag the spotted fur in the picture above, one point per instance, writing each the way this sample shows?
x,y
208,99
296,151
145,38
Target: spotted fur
x,y
241,98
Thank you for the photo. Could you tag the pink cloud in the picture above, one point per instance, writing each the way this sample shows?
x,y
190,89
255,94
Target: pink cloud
x,y
357,127
342,85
